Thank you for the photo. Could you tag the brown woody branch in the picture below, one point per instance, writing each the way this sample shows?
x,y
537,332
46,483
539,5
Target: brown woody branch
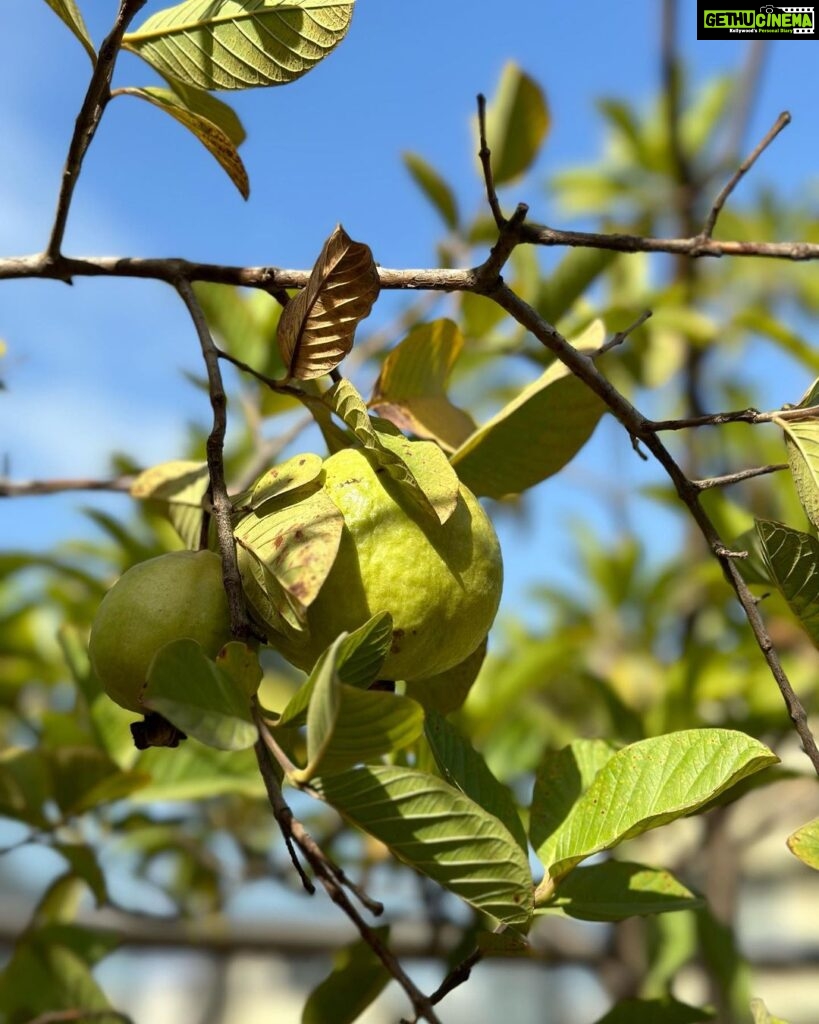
x,y
218,494
26,488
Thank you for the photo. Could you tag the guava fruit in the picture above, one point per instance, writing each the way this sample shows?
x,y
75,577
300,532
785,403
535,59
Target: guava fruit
x,y
176,595
440,583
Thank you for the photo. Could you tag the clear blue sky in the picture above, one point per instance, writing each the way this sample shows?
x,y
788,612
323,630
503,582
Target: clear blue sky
x,y
97,367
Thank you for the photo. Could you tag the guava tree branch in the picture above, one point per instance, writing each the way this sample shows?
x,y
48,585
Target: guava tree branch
x,y
26,488
88,119
643,431
219,499
333,879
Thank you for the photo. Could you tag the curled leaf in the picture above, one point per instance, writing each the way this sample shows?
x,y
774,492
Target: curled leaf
x,y
317,328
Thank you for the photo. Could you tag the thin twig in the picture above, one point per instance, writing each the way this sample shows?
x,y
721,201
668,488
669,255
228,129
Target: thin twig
x,y
736,478
88,120
642,430
333,880
621,336
485,156
220,501
781,122
25,488
737,416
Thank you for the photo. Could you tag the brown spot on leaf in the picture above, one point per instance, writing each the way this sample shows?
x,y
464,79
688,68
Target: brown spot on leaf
x,y
397,637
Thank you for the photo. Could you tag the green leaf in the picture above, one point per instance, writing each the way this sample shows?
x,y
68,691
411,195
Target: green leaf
x,y
792,560
43,978
447,691
240,44
317,327
434,187
649,784
212,136
179,488
347,726
246,326
562,777
655,1011
298,472
296,544
802,443
804,844
357,979
25,786
465,769
437,494
618,889
199,697
439,832
517,121
411,387
85,777
571,278
69,13
534,436
360,657
196,772
212,109
83,862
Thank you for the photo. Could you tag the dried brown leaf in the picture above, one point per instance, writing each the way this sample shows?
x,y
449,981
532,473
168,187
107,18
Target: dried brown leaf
x,y
317,328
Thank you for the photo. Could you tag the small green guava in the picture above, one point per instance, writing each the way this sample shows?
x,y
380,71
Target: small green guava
x,y
157,601
440,583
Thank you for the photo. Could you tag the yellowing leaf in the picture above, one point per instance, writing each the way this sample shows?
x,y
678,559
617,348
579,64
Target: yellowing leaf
x,y
240,44
179,487
420,467
317,328
70,14
210,134
532,437
411,388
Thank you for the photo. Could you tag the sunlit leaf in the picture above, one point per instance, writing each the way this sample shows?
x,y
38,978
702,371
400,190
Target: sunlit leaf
x,y
360,656
517,121
69,12
420,467
434,187
411,388
534,436
438,831
804,843
288,476
563,776
317,327
792,560
802,443
240,44
648,784
212,136
347,725
465,769
297,545
179,488
616,890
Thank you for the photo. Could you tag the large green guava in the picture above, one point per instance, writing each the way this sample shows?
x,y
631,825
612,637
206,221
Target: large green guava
x,y
162,599
440,583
